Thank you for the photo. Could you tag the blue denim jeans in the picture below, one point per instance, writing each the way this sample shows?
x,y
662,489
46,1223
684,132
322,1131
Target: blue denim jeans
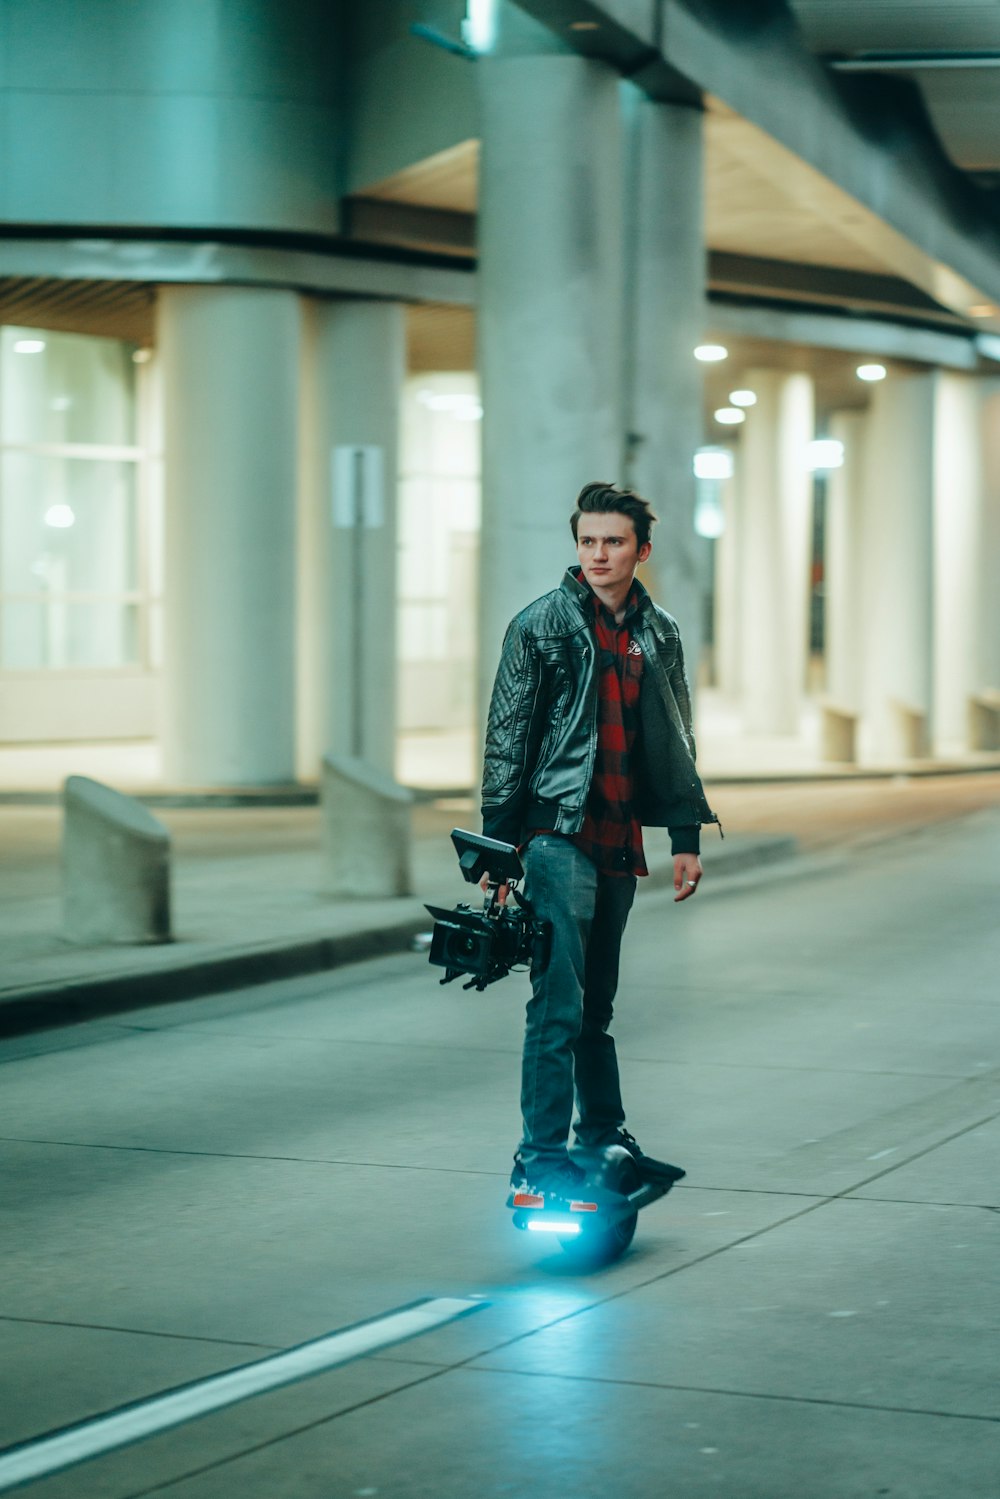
x,y
567,1048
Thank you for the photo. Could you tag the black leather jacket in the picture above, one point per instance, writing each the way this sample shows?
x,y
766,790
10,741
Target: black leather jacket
x,y
541,736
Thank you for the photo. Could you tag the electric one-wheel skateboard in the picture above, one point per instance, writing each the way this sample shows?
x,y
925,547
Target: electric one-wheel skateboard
x,y
598,1226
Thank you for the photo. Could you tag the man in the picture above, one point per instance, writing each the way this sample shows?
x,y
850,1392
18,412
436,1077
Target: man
x,y
588,739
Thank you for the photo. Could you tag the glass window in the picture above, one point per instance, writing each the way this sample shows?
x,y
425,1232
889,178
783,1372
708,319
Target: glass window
x,y
67,525
75,551
61,635
66,388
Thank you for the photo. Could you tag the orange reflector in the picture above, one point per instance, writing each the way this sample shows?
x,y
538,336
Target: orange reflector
x,y
583,1207
528,1200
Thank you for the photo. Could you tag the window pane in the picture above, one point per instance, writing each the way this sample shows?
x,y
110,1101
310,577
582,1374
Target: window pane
x,y
73,388
67,525
58,634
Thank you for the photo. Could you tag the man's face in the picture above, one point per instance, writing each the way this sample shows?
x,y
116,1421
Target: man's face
x,y
608,549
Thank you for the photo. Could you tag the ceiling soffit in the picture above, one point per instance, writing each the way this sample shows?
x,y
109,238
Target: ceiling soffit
x,y
105,309
762,204
951,51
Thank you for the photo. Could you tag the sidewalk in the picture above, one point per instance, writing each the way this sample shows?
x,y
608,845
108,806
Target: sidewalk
x,y
248,907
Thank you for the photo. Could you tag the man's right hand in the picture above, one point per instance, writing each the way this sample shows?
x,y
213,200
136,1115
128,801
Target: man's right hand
x,y
502,893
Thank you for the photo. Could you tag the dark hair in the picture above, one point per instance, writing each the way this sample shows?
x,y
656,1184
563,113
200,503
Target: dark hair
x,y
599,499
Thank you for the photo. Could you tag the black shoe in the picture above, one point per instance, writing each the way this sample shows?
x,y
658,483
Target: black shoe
x,y
557,1186
659,1172
563,1178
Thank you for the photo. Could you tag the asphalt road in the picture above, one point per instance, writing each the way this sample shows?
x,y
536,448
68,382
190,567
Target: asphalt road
x,y
812,1313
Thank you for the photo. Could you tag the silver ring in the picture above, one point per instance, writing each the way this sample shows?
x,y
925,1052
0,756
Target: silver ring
x,y
693,884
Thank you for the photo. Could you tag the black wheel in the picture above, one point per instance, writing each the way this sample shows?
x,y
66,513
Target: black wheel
x,y
612,1168
600,1246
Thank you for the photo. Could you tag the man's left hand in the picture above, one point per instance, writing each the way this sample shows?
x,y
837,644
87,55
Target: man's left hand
x,y
687,874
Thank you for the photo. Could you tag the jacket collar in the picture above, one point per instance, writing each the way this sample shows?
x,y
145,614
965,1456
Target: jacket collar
x,y
573,584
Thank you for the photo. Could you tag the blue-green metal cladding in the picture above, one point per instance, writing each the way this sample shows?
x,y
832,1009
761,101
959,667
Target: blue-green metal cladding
x,y
209,114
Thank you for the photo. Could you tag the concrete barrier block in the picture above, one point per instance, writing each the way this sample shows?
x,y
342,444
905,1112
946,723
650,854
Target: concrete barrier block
x,y
366,820
911,730
116,867
839,737
984,721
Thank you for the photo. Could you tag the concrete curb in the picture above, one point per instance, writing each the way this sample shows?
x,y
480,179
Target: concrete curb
x,y
43,1006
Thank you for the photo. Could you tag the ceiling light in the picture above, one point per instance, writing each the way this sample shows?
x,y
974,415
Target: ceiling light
x,y
825,453
742,398
29,346
708,518
142,356
713,463
479,28
730,416
870,372
59,517
982,309
462,404
710,353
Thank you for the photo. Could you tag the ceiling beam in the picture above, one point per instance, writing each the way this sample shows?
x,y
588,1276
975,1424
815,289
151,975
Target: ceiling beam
x,y
874,143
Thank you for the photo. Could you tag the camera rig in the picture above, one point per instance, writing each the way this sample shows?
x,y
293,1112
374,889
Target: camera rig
x,y
487,944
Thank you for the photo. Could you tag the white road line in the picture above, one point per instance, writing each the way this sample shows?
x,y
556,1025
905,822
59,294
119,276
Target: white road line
x,y
132,1423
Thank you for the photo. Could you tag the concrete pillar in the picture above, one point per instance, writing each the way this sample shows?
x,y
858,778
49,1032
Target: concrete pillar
x,y
988,594
115,867
729,584
550,317
357,355
844,566
776,489
896,605
958,501
229,362
664,314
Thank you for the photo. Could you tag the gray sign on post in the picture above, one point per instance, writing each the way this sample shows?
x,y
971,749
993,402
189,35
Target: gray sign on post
x,y
357,479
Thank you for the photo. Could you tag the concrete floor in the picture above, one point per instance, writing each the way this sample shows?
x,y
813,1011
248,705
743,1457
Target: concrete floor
x,y
812,1313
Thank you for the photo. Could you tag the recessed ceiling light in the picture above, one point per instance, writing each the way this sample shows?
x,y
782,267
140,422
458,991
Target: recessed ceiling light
x,y
29,346
870,372
742,398
711,353
825,453
713,463
730,416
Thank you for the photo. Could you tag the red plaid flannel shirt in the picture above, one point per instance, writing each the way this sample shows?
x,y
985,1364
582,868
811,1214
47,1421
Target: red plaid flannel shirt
x,y
611,835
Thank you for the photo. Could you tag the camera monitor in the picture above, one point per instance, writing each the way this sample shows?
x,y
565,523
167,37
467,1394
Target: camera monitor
x,y
478,856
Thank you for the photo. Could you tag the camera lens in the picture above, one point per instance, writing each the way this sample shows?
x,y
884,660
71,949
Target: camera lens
x,y
466,947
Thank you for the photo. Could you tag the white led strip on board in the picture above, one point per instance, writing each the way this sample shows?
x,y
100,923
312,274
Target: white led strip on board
x,y
75,1444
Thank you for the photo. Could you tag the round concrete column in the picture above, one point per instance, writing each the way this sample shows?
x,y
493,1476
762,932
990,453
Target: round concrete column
x,y
896,598
729,583
230,376
988,614
664,313
776,491
844,566
355,357
966,497
549,333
